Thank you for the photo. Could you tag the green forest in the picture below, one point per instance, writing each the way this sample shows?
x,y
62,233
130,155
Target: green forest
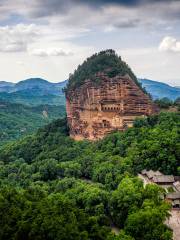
x,y
17,120
29,97
107,62
52,187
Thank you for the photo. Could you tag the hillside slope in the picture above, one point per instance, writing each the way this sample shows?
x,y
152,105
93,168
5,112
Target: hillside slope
x,y
17,120
103,96
6,86
33,91
106,62
41,84
39,91
32,97
55,187
160,90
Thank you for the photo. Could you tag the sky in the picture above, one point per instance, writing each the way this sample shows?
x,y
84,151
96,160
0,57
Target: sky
x,y
50,38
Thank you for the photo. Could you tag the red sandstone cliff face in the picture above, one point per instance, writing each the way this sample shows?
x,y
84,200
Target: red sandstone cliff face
x,y
94,111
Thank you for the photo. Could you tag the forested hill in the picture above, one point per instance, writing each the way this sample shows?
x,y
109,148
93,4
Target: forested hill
x,y
55,188
43,85
39,91
17,120
33,91
107,62
160,90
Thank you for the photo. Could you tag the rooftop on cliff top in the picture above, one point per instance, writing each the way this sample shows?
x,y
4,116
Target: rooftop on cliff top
x,y
107,62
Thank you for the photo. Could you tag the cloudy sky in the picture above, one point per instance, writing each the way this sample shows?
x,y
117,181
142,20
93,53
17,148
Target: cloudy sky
x,y
49,38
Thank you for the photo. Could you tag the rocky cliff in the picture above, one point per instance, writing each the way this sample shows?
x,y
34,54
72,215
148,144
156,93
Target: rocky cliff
x,y
94,110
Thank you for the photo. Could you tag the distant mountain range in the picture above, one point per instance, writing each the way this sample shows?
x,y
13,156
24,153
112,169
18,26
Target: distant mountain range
x,y
35,84
160,90
6,86
17,120
35,91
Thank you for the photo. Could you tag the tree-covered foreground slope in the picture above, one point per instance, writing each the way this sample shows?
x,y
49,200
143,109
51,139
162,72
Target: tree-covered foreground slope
x,y
52,187
17,120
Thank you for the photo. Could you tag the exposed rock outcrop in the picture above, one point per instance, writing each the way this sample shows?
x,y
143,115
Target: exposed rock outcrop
x,y
94,110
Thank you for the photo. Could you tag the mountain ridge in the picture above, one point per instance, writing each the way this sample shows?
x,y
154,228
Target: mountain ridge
x,y
155,88
106,62
33,91
18,120
31,83
159,89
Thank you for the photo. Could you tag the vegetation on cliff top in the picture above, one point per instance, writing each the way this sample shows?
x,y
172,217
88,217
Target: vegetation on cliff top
x,y
52,187
107,62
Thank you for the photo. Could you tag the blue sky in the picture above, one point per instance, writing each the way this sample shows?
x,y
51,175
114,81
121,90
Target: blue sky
x,y
49,39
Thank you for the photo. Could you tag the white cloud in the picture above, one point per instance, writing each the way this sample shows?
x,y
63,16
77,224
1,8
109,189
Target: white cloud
x,y
60,30
49,52
170,44
153,64
69,12
16,38
16,46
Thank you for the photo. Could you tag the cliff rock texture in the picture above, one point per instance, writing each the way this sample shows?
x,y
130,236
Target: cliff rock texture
x,y
103,95
94,111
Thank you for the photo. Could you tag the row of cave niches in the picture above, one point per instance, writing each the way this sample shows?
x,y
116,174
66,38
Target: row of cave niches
x,y
119,109
121,85
111,109
121,92
106,124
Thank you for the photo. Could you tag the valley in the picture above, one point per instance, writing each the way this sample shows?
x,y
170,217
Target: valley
x,y
53,186
17,120
89,120
46,170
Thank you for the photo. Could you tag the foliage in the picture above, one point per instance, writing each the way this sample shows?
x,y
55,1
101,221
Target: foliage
x,y
151,218
166,103
33,91
105,61
32,98
53,187
125,198
18,120
33,214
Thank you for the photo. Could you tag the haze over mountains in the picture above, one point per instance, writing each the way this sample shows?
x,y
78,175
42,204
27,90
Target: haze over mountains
x,y
160,90
33,91
33,97
28,105
18,120
36,91
40,84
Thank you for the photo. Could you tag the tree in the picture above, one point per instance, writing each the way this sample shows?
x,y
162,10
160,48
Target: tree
x,y
48,169
164,102
127,197
147,223
121,236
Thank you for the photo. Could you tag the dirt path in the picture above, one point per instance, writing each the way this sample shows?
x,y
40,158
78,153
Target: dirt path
x,y
174,223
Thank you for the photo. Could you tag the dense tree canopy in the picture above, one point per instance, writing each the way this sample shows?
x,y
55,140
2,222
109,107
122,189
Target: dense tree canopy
x,y
17,120
107,62
52,187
